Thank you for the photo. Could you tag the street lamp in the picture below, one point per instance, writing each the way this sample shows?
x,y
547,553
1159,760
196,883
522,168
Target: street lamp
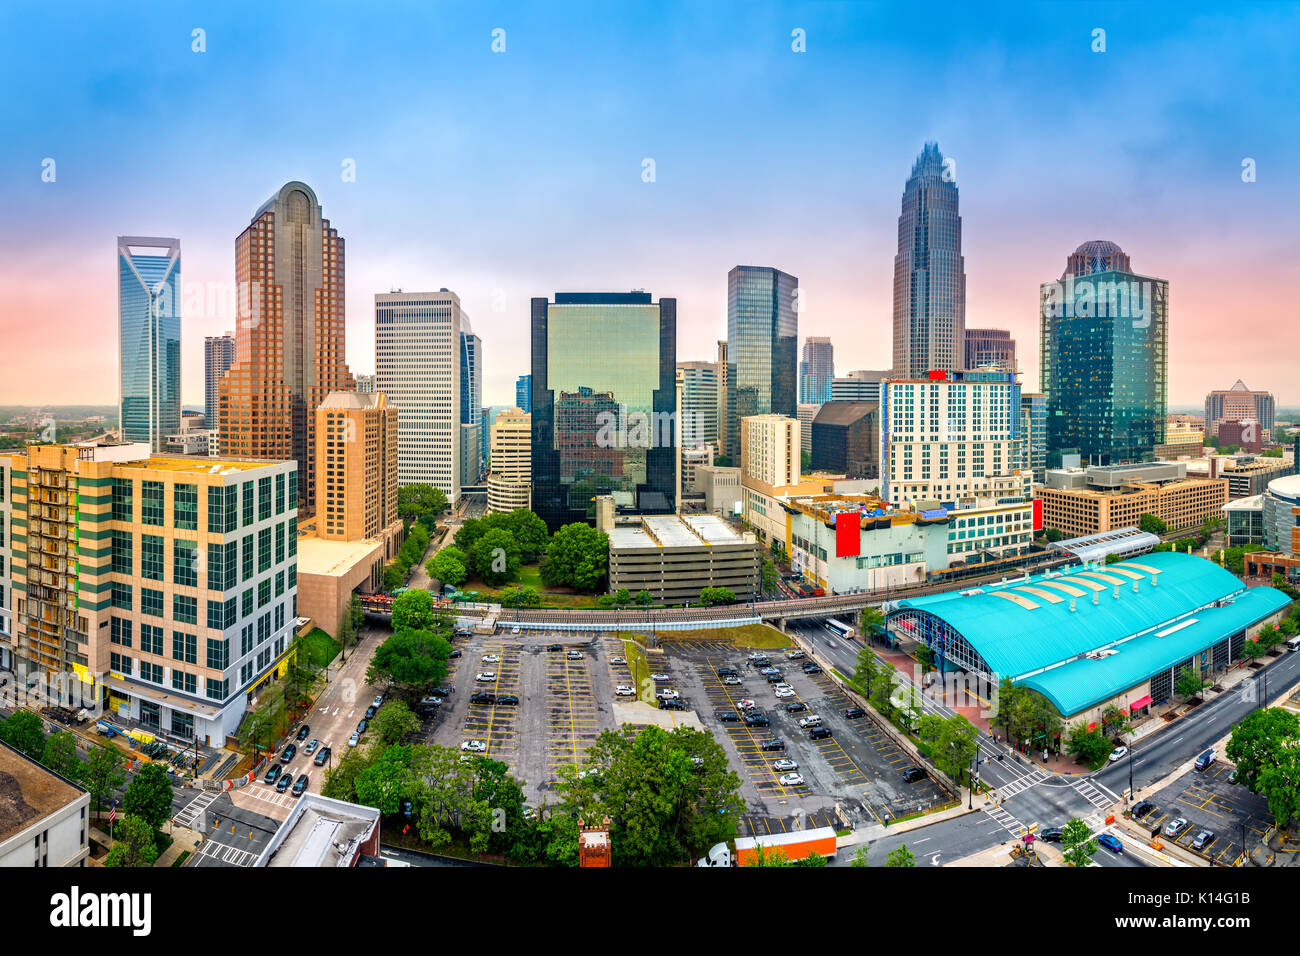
x,y
1131,792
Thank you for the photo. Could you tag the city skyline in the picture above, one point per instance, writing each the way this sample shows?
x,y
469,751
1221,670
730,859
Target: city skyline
x,y
1168,189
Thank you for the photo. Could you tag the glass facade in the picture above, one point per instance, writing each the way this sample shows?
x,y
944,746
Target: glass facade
x,y
1104,353
816,371
762,347
524,393
149,302
603,366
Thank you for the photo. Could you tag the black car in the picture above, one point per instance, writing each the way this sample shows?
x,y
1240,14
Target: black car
x,y
303,731
672,704
554,647
1052,834
283,783
290,751
810,668
795,707
820,733
1142,808
913,774
322,756
728,672
761,662
853,713
482,697
508,700
441,691
728,717
455,653
300,785
773,744
371,711
361,727
776,678
272,772
758,720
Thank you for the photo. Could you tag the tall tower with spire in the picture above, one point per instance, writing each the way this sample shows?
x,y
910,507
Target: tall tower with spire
x,y
929,272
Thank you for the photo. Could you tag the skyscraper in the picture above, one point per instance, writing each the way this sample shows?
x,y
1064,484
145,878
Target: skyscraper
x,y
1237,404
929,272
418,353
724,384
604,383
524,393
149,337
699,421
471,399
218,354
1033,434
990,347
1103,342
356,444
289,336
816,371
762,346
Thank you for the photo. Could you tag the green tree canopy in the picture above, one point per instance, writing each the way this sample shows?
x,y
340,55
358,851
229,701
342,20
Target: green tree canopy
x,y
1092,747
900,856
133,843
411,658
103,772
578,557
1258,741
1077,844
496,557
712,596
149,795
394,721
1189,683
448,566
1152,525
61,755
414,610
25,732
421,499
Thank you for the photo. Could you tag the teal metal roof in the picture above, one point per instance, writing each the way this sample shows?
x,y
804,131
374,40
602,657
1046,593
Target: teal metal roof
x,y
1084,683
1018,631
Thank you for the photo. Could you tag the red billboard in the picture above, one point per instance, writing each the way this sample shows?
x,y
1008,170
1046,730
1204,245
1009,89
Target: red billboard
x,y
848,534
1038,514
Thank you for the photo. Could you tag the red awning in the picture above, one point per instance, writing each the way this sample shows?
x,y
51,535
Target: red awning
x,y
1139,703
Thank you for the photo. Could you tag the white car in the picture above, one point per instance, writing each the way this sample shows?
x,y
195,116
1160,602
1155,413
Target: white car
x,y
354,739
491,658
745,704
377,702
668,694
783,692
623,690
486,677
785,763
474,747
515,630
1119,753
618,660
731,680
573,655
830,643
661,676
790,780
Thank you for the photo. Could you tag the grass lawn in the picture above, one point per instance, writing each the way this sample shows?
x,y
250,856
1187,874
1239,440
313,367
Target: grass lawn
x,y
320,647
530,575
639,668
746,635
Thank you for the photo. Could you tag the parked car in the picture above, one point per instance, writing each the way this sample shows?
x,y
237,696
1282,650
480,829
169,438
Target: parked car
x,y
486,677
745,704
913,774
1203,840
322,756
554,647
515,630
1119,753
758,720
272,772
1175,827
1205,759
795,706
377,702
354,739
661,676
728,672
784,763
853,713
1142,808
727,717
311,747
790,780
303,731
491,658
371,711
1110,842
361,726
507,700
290,751
811,668
667,695
812,720
573,655
795,654
618,660
768,670
283,784
777,678
1052,835
300,785
672,703
453,654
482,697
731,680
624,690
474,747
773,744
819,733
783,692
431,701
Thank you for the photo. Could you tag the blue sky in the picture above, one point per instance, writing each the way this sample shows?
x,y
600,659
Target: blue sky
x,y
507,175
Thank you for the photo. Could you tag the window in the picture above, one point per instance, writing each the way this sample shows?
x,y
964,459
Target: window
x,y
279,542
185,563
216,615
248,556
185,610
218,654
183,724
248,503
216,689
120,663
232,613
151,502
263,498
120,632
264,549
293,576
246,640
123,509
292,535
151,557
222,569
279,493
279,583
151,672
151,639
186,511
151,602
264,593
121,596
293,488
185,647
122,558
248,603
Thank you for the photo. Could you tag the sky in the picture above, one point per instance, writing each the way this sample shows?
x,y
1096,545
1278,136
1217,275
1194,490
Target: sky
x,y
512,174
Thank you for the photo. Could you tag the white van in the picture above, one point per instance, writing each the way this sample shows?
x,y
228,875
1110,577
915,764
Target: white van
x,y
1293,643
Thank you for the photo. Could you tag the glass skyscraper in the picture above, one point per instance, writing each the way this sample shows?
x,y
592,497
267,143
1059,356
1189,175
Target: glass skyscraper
x,y
762,347
524,393
929,272
149,306
471,393
816,371
604,379
1104,351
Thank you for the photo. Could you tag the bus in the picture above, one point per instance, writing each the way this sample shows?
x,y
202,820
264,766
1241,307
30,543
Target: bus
x,y
839,629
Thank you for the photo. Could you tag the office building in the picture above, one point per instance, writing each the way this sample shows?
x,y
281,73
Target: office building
x,y
1247,475
1238,404
469,457
418,356
43,815
699,413
952,437
724,379
762,346
1183,439
846,439
805,416
289,335
162,589
149,338
356,450
510,483
471,403
1244,434
929,272
816,371
6,567
862,385
675,557
365,384
218,355
1033,434
990,348
524,393
1083,501
1104,338
770,448
604,403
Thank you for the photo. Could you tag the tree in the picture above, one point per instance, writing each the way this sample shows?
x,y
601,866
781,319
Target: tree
x,y
341,779
622,596
414,610
1252,649
393,722
1280,784
350,624
712,596
900,856
953,742
860,855
769,575
449,566
388,781
1152,525
643,597
805,463
103,771
421,499
1268,637
1189,682
25,732
529,531
526,596
721,461
665,808
410,658
1090,746
872,622
1077,844
302,677
1115,721
133,844
1053,534
149,796
61,755
1258,741
865,673
925,656
496,557
578,556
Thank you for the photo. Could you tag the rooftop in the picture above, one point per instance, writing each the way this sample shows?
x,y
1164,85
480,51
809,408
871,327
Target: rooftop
x,y
198,465
320,832
671,531
335,558
29,792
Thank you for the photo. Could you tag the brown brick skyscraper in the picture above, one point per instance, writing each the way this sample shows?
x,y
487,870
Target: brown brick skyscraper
x,y
289,334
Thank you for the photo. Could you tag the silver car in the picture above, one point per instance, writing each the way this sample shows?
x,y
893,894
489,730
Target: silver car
x,y
1175,827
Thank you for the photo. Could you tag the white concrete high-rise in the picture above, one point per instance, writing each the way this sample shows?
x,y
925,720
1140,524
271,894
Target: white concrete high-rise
x,y
699,424
418,357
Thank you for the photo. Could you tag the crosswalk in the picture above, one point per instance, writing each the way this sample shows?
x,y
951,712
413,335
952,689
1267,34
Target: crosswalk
x,y
1007,821
1101,798
190,812
226,854
268,795
1021,784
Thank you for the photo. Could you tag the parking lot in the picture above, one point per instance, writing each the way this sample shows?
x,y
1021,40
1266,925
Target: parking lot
x,y
1209,802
